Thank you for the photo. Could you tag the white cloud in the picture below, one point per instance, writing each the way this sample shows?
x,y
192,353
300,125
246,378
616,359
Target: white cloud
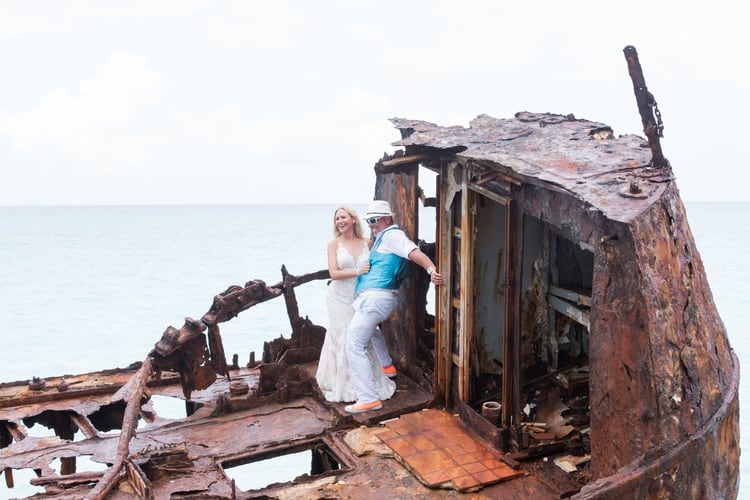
x,y
87,124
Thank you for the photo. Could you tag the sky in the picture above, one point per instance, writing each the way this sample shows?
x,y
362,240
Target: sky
x,y
288,101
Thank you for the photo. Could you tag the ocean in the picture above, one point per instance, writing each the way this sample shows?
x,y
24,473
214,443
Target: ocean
x,y
93,287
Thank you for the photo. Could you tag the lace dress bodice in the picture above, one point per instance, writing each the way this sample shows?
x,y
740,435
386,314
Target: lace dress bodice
x,y
342,291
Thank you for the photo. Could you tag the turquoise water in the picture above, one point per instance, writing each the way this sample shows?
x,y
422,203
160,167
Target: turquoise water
x,y
84,288
87,288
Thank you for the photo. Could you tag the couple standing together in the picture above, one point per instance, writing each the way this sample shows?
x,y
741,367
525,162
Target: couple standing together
x,y
354,361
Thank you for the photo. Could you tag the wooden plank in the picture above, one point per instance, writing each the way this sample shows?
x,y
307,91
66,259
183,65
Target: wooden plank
x,y
571,311
508,459
499,197
443,319
466,295
404,159
576,297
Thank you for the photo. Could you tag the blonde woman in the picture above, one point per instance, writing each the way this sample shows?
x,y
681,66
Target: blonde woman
x,y
348,258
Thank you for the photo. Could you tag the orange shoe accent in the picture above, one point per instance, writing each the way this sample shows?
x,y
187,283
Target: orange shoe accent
x,y
363,407
389,370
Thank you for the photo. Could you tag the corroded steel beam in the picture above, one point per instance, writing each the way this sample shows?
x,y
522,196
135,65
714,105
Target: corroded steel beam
x,y
134,392
652,126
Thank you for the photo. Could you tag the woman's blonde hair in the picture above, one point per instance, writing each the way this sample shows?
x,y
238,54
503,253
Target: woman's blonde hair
x,y
353,214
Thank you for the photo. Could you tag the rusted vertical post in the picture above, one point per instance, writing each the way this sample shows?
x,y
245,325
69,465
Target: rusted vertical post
x,y
443,318
216,347
290,299
516,245
64,429
467,350
398,186
5,440
512,325
646,107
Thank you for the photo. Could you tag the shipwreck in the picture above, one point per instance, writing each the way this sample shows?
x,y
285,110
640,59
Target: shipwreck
x,y
575,350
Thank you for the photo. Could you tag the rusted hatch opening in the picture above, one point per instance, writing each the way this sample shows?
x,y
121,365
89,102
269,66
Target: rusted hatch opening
x,y
161,407
291,464
66,424
108,418
51,423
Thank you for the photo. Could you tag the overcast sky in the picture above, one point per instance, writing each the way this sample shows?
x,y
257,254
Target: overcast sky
x,y
111,102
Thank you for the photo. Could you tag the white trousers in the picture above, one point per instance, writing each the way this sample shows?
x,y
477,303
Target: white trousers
x,y
370,308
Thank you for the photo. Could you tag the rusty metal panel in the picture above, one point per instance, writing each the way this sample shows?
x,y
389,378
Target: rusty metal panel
x,y
579,156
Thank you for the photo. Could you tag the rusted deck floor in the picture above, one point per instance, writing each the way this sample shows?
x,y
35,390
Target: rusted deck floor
x,y
445,459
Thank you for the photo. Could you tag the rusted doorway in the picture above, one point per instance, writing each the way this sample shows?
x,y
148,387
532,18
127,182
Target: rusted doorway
x,y
490,296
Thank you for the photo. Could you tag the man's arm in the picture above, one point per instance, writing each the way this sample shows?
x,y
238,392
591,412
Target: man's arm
x,y
421,259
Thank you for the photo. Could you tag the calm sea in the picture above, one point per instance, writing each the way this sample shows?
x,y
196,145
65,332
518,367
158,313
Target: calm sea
x,y
87,288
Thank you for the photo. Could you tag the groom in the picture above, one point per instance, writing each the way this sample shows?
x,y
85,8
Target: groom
x,y
377,295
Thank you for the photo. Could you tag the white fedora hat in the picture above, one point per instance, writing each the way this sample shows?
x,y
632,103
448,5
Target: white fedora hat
x,y
379,208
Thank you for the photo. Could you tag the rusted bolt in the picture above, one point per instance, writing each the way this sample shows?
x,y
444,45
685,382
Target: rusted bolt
x,y
36,384
634,188
608,237
238,388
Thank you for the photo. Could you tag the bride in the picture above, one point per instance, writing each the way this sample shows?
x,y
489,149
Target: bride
x,y
348,257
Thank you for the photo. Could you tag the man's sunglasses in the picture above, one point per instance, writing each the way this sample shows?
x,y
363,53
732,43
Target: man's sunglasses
x,y
373,220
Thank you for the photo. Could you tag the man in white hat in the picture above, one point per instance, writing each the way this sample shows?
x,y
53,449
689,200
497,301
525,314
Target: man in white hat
x,y
377,295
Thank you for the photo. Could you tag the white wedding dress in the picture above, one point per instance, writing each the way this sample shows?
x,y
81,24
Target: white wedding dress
x,y
333,371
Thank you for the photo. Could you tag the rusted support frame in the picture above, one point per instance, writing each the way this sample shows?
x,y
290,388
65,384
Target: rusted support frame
x,y
646,107
296,281
67,480
467,342
403,160
236,299
226,306
287,285
6,438
442,294
216,348
85,425
292,308
136,386
512,327
34,397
